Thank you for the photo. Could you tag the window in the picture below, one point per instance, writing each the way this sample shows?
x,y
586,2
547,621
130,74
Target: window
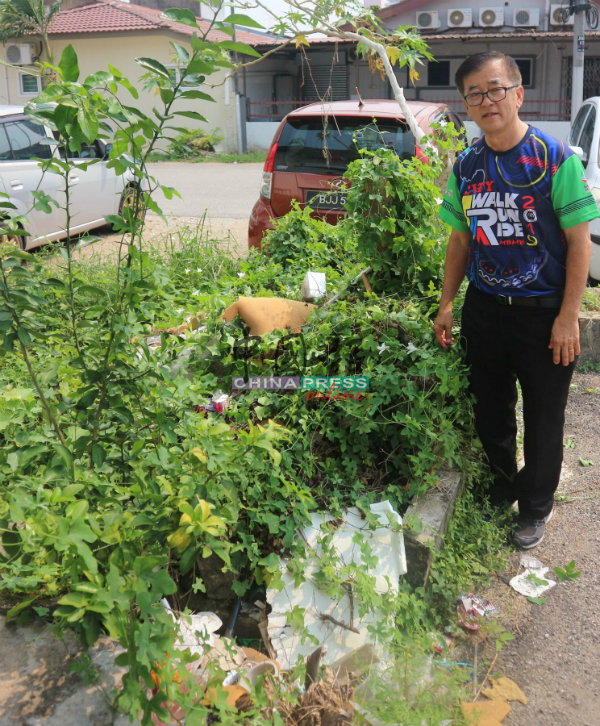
x,y
5,150
29,85
576,129
438,73
302,141
26,140
526,68
587,135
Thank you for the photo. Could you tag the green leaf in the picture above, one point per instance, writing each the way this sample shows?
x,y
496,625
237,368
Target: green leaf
x,y
192,114
241,19
536,600
68,65
74,599
586,462
166,95
88,123
218,429
238,47
24,336
240,588
196,95
180,15
17,253
21,606
198,66
154,66
65,455
84,242
182,53
98,455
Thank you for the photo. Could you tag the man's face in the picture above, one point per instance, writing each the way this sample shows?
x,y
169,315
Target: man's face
x,y
493,116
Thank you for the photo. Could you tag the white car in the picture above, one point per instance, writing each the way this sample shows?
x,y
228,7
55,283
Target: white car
x,y
94,193
584,139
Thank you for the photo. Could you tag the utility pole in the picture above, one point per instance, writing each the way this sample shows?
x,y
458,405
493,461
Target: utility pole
x,y
577,9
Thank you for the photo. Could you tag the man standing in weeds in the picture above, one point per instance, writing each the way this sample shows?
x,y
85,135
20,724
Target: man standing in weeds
x,y
519,205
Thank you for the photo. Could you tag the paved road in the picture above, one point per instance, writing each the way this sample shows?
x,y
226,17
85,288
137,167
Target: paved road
x,y
227,191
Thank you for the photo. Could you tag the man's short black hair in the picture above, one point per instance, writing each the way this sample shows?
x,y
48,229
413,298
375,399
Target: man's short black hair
x,y
477,61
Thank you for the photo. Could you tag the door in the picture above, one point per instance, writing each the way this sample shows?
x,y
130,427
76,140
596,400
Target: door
x,y
95,191
578,125
22,141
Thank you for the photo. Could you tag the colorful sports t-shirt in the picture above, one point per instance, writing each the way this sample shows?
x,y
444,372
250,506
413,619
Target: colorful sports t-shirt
x,y
516,204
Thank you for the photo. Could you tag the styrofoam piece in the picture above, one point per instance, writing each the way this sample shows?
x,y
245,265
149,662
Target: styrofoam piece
x,y
314,286
525,586
204,623
387,550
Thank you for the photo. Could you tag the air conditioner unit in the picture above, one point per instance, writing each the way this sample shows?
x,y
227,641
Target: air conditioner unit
x,y
526,18
559,15
19,55
460,18
491,17
428,20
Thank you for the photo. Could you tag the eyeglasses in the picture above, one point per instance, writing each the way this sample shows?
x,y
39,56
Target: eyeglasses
x,y
494,94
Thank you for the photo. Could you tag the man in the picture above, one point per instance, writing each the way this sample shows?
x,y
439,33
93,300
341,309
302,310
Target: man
x,y
519,205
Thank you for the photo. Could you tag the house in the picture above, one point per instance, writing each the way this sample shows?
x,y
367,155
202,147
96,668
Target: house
x,y
535,32
110,31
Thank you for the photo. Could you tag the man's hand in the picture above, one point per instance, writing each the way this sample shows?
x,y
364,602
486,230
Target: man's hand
x,y
443,328
564,340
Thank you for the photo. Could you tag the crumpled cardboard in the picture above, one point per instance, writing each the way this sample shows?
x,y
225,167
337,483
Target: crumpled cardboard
x,y
503,689
486,713
266,314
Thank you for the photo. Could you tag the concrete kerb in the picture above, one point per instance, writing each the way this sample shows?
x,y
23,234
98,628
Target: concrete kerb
x,y
434,510
589,338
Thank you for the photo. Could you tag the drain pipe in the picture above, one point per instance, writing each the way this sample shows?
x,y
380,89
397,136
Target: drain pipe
x,y
544,83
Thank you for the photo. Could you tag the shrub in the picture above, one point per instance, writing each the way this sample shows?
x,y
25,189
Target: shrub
x,y
194,142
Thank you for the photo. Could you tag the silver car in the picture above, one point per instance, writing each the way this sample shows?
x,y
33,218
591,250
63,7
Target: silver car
x,y
93,193
584,139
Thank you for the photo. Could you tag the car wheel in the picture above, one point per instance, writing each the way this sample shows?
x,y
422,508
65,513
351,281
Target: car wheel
x,y
12,240
128,201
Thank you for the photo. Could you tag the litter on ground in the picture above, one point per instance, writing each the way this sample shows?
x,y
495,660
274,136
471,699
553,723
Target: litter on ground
x,y
503,689
334,621
532,583
471,610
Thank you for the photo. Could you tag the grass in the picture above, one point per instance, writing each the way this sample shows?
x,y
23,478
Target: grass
x,y
591,300
251,157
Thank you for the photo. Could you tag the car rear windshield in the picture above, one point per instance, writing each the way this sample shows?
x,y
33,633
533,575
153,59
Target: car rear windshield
x,y
310,145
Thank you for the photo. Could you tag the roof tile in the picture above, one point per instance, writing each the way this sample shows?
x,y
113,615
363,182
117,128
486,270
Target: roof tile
x,y
112,16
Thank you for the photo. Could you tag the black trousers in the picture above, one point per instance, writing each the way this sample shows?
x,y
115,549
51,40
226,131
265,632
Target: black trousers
x,y
504,344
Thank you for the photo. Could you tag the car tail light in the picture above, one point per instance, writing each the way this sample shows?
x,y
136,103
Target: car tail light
x,y
420,155
267,175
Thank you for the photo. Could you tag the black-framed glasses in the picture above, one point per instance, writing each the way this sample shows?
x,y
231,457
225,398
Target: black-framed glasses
x,y
494,94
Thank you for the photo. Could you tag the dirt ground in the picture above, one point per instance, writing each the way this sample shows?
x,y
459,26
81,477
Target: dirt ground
x,y
555,657
234,231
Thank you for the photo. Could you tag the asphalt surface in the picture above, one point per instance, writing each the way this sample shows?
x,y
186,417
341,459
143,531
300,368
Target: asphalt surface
x,y
225,191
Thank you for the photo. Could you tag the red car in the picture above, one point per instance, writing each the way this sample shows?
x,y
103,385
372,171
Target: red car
x,y
296,167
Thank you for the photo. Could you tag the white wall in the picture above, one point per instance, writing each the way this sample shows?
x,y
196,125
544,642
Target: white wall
x,y
259,134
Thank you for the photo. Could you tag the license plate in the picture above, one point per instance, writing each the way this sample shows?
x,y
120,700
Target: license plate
x,y
325,199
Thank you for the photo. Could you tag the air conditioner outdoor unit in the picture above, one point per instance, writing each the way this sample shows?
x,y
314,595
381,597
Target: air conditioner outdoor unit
x,y
18,55
428,20
559,15
460,18
491,17
526,18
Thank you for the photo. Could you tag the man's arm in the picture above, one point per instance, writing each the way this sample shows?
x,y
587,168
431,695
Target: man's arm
x,y
565,331
457,255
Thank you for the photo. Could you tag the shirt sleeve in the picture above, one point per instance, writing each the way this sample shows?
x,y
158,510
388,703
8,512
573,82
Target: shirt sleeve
x,y
571,196
451,210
